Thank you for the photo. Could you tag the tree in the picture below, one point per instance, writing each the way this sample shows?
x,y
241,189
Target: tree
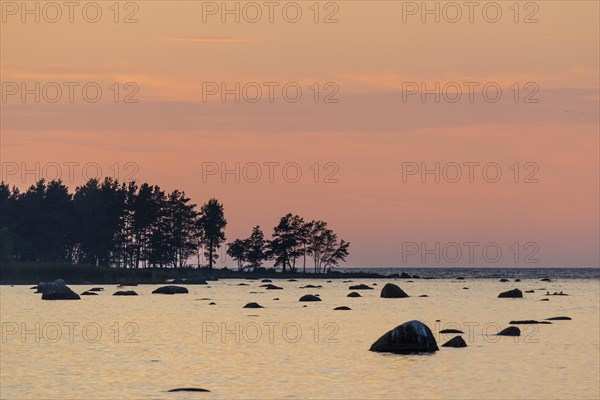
x,y
237,251
256,248
324,247
212,222
284,245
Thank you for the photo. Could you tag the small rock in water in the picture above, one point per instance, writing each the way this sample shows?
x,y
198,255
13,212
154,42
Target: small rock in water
x,y
465,288
292,280
515,293
545,300
342,308
391,291
530,291
276,298
517,280
360,287
455,342
451,331
242,284
460,278
253,305
354,294
309,297
170,290
408,338
559,319
546,280
503,280
125,293
96,289
510,331
311,287
212,303
88,293
266,281
189,390
423,295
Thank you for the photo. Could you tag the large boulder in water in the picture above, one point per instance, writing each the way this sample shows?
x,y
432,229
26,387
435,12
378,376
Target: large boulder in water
x,y
391,291
170,290
514,294
408,338
57,290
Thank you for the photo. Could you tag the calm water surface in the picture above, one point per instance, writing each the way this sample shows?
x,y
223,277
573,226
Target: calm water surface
x,y
140,347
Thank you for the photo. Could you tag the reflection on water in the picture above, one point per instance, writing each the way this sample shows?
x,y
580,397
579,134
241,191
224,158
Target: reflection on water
x,y
139,347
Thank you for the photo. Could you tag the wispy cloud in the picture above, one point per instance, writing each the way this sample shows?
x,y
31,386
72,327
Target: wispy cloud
x,y
206,39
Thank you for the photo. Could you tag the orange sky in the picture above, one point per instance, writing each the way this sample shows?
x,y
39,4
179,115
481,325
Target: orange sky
x,y
369,57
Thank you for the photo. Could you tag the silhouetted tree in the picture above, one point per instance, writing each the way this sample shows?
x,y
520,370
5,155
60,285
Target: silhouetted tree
x,y
237,251
256,248
212,222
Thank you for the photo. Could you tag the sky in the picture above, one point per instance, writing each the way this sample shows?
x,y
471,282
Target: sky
x,y
426,134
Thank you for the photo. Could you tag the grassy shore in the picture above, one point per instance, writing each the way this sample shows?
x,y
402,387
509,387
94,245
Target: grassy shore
x,y
32,273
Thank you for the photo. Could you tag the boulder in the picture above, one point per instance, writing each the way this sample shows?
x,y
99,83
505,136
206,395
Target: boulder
x,y
57,290
546,280
559,319
354,294
545,300
360,287
530,291
311,287
212,303
170,290
189,390
391,291
503,280
96,289
514,294
456,341
292,280
309,297
423,295
342,308
88,293
253,305
266,281
125,293
408,338
510,331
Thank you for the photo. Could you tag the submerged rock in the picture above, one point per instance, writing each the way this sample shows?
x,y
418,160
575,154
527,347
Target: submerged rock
x,y
559,319
391,291
189,390
342,308
360,287
125,293
546,280
354,294
545,300
530,291
271,287
311,287
96,289
510,331
456,341
266,281
170,290
309,297
253,305
212,303
503,280
408,338
514,294
451,331
88,293
528,322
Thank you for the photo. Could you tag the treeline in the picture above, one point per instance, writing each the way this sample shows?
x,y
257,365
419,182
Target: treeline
x,y
107,223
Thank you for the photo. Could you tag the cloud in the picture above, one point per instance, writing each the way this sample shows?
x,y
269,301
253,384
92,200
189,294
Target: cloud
x,y
206,39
